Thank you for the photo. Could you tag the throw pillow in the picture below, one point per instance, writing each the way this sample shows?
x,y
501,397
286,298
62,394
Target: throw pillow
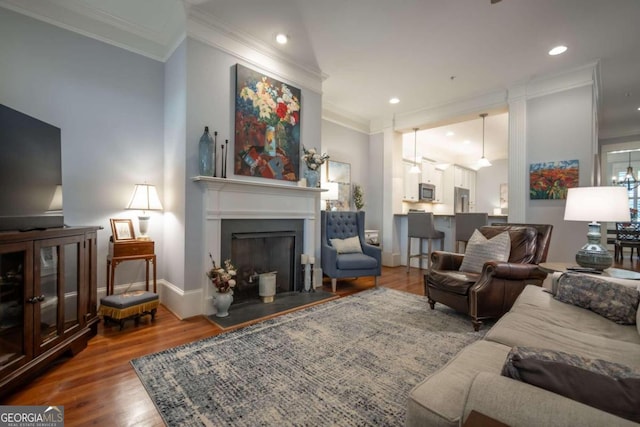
x,y
480,250
614,301
347,246
608,386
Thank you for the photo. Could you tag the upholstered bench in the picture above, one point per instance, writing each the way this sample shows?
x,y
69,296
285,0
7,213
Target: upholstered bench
x,y
129,305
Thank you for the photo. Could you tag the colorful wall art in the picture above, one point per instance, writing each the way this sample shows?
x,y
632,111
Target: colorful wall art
x,y
552,180
267,127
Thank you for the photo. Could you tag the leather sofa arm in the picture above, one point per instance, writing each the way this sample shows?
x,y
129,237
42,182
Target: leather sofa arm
x,y
513,271
441,260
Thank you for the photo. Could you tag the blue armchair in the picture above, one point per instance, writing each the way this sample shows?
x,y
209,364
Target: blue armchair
x,y
349,262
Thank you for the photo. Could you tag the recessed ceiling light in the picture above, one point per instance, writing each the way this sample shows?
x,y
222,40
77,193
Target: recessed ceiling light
x,y
450,133
558,50
282,38
394,100
638,108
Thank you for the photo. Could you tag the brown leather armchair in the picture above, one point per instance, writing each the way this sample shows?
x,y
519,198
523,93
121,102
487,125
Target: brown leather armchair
x,y
492,292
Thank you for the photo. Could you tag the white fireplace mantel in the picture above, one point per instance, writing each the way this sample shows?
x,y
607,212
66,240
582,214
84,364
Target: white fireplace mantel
x,y
225,198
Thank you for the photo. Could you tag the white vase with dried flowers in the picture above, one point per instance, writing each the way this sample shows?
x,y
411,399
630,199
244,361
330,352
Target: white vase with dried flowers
x,y
223,280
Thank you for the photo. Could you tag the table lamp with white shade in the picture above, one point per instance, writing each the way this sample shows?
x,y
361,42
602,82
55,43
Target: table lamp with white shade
x,y
331,194
604,204
144,198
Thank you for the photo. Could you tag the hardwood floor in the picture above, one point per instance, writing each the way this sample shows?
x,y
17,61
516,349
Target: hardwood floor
x,y
99,387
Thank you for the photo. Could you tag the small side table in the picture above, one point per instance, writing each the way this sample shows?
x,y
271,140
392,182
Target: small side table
x,y
561,267
130,251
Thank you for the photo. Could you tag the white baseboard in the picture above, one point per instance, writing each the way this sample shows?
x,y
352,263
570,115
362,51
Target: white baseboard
x,y
390,259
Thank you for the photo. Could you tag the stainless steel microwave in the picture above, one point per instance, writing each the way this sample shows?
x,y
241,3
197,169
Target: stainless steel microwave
x,y
426,192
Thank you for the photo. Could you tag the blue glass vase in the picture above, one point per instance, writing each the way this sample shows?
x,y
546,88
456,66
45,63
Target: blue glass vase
x,y
312,178
205,153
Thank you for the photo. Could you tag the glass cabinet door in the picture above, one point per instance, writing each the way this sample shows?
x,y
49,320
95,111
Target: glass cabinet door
x,y
15,313
56,288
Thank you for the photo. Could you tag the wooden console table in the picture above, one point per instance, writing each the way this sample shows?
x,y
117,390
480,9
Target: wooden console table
x,y
130,251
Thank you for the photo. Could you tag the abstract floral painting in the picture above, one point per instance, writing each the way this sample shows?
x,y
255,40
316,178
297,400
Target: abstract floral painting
x,y
267,127
552,180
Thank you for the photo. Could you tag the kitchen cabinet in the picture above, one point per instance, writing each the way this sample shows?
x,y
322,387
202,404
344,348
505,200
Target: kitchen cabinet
x,y
432,175
411,181
463,177
466,178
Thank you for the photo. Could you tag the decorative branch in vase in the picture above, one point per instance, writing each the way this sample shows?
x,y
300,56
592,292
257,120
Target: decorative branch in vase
x,y
358,196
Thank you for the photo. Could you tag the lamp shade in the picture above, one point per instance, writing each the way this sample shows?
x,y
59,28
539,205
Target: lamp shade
x,y
604,204
145,198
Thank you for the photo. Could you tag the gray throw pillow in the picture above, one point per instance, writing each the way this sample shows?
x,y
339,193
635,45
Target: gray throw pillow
x,y
480,250
614,301
347,246
608,386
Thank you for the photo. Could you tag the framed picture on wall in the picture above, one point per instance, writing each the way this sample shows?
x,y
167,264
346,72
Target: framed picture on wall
x,y
267,126
338,172
552,180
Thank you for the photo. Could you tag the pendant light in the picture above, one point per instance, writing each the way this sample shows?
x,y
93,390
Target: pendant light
x,y
630,181
415,168
483,162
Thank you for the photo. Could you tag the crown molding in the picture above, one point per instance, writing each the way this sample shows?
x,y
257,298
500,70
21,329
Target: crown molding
x,y
208,29
78,17
459,110
332,113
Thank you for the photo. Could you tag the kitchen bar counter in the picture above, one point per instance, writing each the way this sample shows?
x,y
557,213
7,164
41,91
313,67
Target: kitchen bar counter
x,y
443,222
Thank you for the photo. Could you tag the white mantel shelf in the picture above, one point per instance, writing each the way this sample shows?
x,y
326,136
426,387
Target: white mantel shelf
x,y
220,183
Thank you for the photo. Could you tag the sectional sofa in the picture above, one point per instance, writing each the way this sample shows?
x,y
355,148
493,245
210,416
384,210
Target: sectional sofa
x,y
599,360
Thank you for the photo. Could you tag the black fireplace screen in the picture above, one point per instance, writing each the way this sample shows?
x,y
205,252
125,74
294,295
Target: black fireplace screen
x,y
262,246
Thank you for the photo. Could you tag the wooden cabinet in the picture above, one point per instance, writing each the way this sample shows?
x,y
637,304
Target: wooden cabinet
x,y
130,250
48,299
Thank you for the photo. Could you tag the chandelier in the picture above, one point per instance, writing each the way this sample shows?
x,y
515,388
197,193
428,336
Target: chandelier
x,y
630,180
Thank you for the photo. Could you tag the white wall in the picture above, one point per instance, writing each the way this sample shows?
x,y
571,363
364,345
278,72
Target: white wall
x,y
559,127
108,103
488,182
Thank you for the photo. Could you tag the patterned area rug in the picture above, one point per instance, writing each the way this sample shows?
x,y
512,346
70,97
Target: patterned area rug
x,y
347,362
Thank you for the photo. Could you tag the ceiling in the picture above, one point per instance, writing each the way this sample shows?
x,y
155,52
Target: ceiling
x,y
425,52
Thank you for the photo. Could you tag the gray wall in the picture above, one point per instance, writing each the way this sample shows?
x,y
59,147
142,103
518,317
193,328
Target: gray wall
x,y
559,127
350,146
175,116
108,103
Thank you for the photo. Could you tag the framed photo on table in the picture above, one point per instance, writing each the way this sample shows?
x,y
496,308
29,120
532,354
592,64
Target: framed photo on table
x,y
122,230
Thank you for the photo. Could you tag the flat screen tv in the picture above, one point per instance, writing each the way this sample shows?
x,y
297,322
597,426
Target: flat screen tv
x,y
30,173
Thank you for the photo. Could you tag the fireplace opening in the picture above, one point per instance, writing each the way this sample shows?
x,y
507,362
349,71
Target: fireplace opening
x,y
258,246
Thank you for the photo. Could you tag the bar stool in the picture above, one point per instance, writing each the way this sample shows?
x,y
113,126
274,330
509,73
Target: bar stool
x,y
420,226
466,224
